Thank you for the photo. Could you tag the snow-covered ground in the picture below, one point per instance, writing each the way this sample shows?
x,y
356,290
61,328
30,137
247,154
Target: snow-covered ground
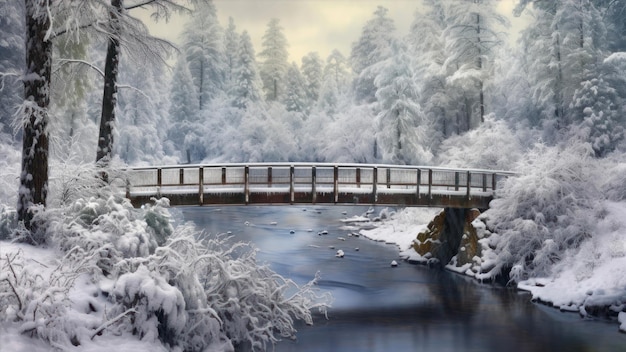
x,y
589,280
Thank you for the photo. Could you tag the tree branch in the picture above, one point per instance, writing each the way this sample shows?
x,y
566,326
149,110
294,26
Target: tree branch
x,y
83,62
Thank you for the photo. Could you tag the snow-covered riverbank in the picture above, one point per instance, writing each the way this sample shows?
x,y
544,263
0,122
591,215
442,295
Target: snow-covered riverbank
x,y
590,280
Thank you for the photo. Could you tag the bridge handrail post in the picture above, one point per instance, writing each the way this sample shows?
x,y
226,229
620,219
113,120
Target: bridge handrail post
x,y
469,184
127,186
456,180
159,181
313,184
291,184
223,175
246,185
201,185
484,182
181,176
374,185
358,177
336,183
388,177
419,180
269,176
494,181
430,183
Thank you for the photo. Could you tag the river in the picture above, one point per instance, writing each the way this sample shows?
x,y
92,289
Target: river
x,y
406,308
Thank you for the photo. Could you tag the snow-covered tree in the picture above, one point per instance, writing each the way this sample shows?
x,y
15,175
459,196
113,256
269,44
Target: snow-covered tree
x,y
472,34
247,87
231,50
203,47
335,86
143,120
295,98
402,128
11,60
34,113
426,47
312,66
274,66
183,96
565,44
372,47
337,68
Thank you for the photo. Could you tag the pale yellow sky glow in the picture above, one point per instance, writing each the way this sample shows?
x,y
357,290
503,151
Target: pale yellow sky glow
x,y
311,25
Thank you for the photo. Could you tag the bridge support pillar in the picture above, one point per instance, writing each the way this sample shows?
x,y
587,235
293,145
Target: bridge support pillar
x,y
445,238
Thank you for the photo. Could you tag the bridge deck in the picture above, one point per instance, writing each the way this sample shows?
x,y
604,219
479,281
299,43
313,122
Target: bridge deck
x,y
299,183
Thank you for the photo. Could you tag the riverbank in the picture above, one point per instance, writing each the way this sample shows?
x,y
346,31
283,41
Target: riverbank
x,y
590,280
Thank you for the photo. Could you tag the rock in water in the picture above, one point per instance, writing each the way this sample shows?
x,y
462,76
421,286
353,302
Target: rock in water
x,y
339,254
394,264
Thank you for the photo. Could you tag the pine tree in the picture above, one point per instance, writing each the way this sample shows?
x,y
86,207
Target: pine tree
x,y
399,115
231,50
295,90
203,48
472,34
274,66
312,72
11,60
247,85
372,47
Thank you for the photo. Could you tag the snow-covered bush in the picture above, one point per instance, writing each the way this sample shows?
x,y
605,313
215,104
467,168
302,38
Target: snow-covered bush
x,y
111,225
36,296
492,145
546,210
126,271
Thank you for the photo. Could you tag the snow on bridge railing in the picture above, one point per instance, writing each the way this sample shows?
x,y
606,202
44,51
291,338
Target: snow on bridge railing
x,y
288,183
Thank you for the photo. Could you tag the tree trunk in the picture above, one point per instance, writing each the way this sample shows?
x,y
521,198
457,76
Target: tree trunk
x,y
34,175
109,96
480,68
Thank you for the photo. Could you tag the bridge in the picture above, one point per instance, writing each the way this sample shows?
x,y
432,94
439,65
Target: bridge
x,y
313,183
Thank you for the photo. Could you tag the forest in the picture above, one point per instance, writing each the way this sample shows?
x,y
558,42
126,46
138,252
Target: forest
x,y
86,90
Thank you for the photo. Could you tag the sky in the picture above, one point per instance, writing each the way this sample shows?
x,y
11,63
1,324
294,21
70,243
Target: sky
x,y
310,25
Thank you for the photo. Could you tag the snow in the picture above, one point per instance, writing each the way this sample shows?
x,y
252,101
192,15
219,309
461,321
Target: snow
x,y
402,229
593,275
588,278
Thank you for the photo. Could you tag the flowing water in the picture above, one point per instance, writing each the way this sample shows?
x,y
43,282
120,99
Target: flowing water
x,y
406,308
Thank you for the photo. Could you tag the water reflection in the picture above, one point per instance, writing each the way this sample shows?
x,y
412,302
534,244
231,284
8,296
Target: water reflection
x,y
408,308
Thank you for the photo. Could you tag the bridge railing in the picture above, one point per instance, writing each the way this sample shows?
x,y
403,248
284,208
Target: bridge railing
x,y
309,183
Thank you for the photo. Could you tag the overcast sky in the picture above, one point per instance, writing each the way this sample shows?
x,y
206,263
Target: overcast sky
x,y
309,25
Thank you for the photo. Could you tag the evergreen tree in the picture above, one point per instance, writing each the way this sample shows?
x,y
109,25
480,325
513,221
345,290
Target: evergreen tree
x,y
312,66
402,127
231,51
295,90
247,86
472,34
11,60
274,66
426,47
372,47
184,97
203,47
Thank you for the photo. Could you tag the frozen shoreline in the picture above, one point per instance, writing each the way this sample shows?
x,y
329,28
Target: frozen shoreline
x,y
596,290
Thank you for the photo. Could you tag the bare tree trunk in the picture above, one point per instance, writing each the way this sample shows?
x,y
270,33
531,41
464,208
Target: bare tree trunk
x,y
34,175
109,99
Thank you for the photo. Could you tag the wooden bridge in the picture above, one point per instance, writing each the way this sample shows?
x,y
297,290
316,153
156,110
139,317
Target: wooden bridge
x,y
308,183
